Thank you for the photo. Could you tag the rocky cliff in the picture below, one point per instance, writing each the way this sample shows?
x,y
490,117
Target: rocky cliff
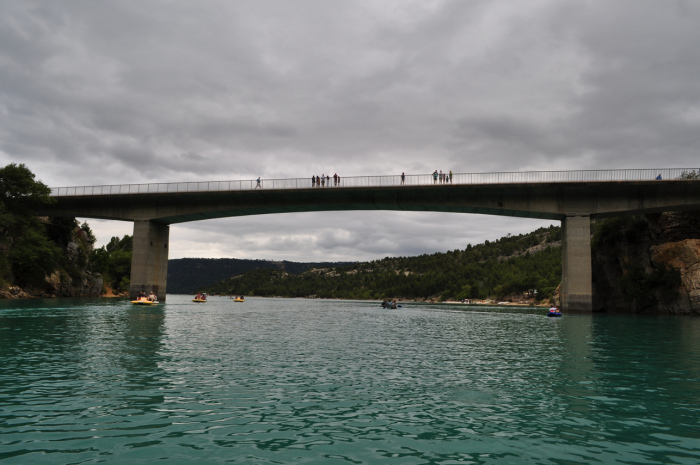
x,y
76,279
72,276
647,264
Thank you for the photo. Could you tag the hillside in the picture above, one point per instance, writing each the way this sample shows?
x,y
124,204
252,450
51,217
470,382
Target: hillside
x,y
508,267
191,275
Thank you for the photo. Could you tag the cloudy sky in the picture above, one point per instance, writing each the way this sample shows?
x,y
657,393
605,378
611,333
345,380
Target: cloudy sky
x,y
116,92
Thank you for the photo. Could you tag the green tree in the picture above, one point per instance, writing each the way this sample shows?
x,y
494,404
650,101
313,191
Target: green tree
x,y
29,255
114,262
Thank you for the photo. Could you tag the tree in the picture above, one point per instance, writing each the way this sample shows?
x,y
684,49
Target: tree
x,y
114,262
29,255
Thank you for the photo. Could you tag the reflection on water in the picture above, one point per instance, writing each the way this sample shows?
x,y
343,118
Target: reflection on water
x,y
291,381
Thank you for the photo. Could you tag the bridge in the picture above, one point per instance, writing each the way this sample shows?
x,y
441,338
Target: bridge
x,y
572,197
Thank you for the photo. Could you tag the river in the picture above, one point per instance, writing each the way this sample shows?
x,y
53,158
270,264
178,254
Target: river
x,y
281,381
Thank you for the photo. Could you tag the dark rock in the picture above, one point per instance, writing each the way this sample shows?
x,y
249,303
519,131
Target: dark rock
x,y
648,264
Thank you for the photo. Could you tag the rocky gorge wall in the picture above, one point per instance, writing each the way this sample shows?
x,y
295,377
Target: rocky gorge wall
x,y
647,264
71,279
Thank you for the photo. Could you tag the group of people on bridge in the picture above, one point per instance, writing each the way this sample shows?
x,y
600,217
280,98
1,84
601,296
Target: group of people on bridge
x,y
324,180
441,177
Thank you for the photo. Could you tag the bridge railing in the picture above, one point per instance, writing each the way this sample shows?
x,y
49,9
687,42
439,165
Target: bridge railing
x,y
382,181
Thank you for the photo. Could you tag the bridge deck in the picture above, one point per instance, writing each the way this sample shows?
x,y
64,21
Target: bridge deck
x,y
386,181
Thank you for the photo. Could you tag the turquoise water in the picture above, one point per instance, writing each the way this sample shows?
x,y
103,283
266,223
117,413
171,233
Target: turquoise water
x,y
317,381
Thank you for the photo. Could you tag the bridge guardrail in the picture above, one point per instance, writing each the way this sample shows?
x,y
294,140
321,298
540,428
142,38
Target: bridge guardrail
x,y
381,181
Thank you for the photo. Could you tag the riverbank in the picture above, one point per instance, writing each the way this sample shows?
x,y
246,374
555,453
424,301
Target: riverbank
x,y
16,292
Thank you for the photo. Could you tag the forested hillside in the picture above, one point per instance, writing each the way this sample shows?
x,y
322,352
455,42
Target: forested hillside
x,y
512,265
190,275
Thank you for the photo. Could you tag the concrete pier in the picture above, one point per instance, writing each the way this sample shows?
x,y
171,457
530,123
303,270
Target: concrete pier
x,y
576,285
149,263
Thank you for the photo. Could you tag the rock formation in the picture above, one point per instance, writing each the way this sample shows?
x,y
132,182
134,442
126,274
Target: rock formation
x,y
648,264
72,279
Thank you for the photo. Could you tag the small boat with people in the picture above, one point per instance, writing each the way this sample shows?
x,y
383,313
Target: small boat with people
x,y
200,298
390,304
554,312
143,299
144,302
239,298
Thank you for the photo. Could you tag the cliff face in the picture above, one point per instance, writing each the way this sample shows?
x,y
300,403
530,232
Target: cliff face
x,y
72,278
648,264
79,282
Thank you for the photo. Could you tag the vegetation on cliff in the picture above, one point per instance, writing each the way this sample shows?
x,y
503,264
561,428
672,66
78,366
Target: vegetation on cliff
x,y
509,266
47,256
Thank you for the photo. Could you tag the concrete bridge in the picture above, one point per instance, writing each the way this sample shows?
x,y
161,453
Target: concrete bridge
x,y
572,197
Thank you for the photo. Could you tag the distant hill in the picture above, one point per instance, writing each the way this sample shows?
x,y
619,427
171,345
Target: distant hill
x,y
191,275
508,268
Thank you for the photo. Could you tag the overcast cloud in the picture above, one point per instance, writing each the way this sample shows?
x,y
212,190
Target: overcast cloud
x,y
115,92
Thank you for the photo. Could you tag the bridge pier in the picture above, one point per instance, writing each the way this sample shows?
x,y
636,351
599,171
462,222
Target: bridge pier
x,y
576,285
149,262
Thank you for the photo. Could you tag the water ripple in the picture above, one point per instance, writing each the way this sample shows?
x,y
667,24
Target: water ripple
x,y
297,381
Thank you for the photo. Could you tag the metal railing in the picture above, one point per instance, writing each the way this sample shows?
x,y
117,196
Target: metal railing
x,y
385,181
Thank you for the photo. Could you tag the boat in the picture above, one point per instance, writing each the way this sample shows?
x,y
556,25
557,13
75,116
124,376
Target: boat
x,y
239,299
144,302
199,300
554,312
390,305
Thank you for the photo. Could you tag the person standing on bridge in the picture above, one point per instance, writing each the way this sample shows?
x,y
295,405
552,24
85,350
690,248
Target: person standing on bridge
x,y
403,178
450,176
313,181
435,176
658,178
258,186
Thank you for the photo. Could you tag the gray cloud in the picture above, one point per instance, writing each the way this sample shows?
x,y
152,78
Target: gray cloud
x,y
118,92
